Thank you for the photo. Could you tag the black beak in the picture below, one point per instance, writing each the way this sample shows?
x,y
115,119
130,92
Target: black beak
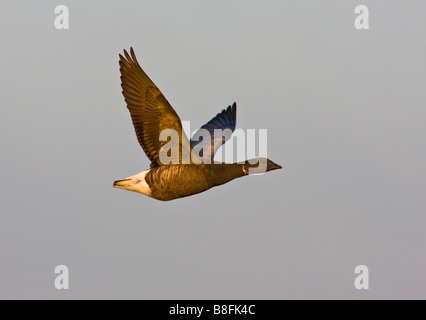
x,y
276,166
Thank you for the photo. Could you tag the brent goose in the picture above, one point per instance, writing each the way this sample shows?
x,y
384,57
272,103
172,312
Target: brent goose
x,y
151,114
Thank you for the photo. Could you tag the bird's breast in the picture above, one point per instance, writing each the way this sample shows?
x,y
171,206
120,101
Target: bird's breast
x,y
176,181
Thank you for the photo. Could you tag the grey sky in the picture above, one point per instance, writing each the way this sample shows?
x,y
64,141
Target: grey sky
x,y
345,113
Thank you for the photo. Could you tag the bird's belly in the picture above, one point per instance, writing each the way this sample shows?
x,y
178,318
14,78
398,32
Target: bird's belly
x,y
173,182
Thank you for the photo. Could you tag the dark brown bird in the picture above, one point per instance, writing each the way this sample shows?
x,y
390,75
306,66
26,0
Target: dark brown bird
x,y
181,176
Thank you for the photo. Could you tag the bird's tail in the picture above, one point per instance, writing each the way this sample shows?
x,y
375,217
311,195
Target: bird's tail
x,y
121,183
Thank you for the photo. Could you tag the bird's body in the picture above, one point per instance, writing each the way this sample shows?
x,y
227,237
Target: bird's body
x,y
151,115
178,181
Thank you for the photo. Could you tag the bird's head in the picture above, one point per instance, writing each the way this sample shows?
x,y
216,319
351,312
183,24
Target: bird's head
x,y
259,166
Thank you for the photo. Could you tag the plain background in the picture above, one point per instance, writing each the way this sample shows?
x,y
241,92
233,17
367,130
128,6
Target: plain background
x,y
345,113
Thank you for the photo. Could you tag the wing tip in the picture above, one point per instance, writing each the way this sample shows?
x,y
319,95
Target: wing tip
x,y
232,113
129,57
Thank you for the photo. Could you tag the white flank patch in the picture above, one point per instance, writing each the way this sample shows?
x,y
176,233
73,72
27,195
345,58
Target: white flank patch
x,y
138,183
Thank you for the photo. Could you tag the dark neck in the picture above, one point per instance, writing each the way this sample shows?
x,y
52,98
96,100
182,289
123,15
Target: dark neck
x,y
218,174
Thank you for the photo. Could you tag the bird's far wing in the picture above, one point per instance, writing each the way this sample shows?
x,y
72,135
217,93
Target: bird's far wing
x,y
151,113
226,121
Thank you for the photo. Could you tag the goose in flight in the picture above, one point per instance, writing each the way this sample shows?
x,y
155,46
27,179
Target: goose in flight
x,y
152,114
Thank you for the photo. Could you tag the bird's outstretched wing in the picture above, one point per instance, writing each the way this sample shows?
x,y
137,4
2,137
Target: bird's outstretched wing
x,y
226,121
151,113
